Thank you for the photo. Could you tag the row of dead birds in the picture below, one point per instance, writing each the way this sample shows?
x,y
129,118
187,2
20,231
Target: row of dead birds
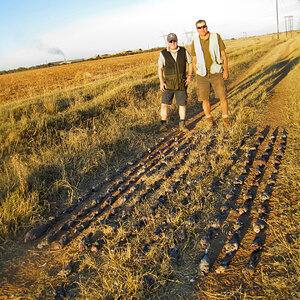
x,y
232,245
260,225
39,231
86,241
180,233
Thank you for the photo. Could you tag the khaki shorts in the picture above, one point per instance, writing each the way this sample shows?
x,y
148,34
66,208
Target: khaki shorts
x,y
214,80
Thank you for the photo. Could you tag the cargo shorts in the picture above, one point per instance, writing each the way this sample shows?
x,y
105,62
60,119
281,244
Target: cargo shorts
x,y
205,82
180,96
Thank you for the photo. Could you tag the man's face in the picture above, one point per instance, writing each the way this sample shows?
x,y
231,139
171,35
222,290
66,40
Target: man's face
x,y
202,28
173,45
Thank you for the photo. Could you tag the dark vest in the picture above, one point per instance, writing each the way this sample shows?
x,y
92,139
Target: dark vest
x,y
175,71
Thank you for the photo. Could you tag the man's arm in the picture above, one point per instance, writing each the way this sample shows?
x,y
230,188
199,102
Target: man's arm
x,y
194,62
161,79
225,65
189,61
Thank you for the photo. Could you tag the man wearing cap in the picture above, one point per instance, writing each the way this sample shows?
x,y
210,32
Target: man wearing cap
x,y
211,68
173,80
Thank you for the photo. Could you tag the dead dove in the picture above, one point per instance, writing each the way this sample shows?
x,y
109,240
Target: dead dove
x,y
67,270
242,210
85,242
238,225
262,209
204,264
258,226
224,263
180,234
206,239
224,208
256,244
265,196
215,224
173,252
233,243
97,245
37,232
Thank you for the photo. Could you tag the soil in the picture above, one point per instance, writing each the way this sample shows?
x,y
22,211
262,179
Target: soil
x,y
23,266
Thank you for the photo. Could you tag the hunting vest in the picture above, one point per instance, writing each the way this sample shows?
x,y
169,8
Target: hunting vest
x,y
214,51
175,71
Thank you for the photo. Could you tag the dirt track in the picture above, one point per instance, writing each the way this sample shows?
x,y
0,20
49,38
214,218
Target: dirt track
x,y
245,186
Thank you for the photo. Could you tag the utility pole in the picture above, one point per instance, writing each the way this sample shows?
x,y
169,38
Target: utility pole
x,y
189,37
288,24
277,20
164,36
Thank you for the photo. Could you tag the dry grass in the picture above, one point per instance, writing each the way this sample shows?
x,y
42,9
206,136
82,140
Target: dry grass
x,y
47,143
50,154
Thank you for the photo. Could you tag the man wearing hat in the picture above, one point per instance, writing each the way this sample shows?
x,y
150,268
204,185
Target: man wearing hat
x,y
173,80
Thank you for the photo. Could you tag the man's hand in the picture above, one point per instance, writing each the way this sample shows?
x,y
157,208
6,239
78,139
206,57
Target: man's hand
x,y
225,75
188,81
163,86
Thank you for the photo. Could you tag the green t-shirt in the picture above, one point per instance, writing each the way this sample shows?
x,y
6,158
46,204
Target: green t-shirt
x,y
205,49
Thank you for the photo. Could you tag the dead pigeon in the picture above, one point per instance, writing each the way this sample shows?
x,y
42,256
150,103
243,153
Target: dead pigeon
x,y
242,210
224,263
66,271
37,232
262,209
265,196
233,243
238,225
180,234
173,252
224,208
206,239
97,245
46,241
215,224
204,264
258,226
84,242
60,292
256,244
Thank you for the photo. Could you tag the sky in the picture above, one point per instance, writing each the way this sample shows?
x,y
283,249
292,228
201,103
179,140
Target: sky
x,y
35,32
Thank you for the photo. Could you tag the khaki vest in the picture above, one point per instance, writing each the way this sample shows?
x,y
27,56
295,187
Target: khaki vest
x,y
214,51
175,71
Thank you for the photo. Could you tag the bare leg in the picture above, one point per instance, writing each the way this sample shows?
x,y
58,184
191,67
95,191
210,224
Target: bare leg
x,y
224,106
206,107
182,112
164,112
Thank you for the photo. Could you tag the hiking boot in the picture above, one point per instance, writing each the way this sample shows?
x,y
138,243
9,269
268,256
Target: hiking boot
x,y
182,126
210,122
163,127
226,122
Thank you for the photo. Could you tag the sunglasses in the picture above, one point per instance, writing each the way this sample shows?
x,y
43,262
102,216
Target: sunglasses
x,y
200,27
173,41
